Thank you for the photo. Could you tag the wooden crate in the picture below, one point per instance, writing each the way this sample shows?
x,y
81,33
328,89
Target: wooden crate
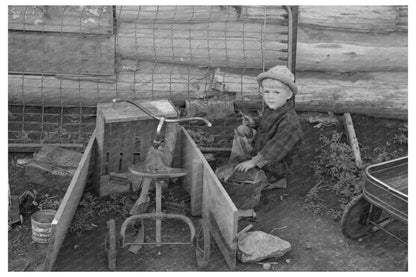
x,y
124,134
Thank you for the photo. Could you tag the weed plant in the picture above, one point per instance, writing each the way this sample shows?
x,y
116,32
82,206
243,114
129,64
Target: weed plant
x,y
335,170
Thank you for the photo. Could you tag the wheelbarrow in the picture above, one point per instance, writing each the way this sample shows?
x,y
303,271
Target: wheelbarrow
x,y
154,167
385,190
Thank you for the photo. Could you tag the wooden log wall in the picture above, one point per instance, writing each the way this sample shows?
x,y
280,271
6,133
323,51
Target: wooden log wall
x,y
200,38
379,94
351,39
60,56
61,40
355,59
82,56
65,56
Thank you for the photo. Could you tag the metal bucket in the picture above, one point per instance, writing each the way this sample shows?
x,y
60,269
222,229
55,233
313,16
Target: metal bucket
x,y
41,225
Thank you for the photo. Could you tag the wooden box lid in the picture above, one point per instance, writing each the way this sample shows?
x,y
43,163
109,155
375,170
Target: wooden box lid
x,y
123,111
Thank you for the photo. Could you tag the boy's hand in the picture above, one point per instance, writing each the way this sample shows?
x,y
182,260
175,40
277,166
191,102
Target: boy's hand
x,y
247,120
244,166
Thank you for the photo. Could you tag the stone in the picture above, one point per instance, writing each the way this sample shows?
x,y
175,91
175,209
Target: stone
x,y
267,266
257,245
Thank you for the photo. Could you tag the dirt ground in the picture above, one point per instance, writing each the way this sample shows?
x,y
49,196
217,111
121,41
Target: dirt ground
x,y
316,239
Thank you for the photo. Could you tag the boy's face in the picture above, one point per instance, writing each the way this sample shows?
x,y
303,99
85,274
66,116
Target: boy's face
x,y
275,93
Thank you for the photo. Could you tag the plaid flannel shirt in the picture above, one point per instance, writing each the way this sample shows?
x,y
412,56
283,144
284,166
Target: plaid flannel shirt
x,y
278,136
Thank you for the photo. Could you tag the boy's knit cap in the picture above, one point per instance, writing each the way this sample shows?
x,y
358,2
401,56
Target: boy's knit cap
x,y
280,73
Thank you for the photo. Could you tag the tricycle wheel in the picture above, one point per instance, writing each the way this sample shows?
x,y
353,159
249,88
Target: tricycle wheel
x,y
354,221
202,244
110,244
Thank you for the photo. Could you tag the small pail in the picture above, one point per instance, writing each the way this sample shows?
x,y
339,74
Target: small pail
x,y
41,225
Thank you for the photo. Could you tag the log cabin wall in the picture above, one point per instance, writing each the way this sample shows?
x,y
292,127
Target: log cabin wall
x,y
59,58
63,60
353,59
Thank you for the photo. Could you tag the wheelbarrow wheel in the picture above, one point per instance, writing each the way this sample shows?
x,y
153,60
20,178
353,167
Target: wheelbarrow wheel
x,y
354,221
202,244
110,244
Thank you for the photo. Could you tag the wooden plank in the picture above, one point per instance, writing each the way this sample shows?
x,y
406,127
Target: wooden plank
x,y
379,19
76,19
352,139
113,135
33,147
64,53
193,181
198,14
128,146
217,207
100,156
227,252
221,214
215,149
69,204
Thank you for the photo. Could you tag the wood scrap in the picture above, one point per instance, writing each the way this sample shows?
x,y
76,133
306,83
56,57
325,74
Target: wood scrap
x,y
352,139
246,213
120,178
33,147
134,248
53,167
214,149
245,229
141,203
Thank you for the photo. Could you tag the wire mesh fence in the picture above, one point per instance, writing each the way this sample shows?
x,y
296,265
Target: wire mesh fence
x,y
63,60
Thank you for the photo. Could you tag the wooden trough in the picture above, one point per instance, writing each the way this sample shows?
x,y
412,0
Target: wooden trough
x,y
208,198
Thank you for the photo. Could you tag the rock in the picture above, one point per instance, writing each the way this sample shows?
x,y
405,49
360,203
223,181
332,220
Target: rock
x,y
267,266
288,261
257,245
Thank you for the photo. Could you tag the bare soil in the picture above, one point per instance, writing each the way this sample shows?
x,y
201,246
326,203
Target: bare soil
x,y
316,239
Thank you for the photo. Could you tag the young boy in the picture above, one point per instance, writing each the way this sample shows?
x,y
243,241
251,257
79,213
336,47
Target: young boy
x,y
272,146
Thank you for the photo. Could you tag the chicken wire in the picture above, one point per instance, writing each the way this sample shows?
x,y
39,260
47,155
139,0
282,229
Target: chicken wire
x,y
65,65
